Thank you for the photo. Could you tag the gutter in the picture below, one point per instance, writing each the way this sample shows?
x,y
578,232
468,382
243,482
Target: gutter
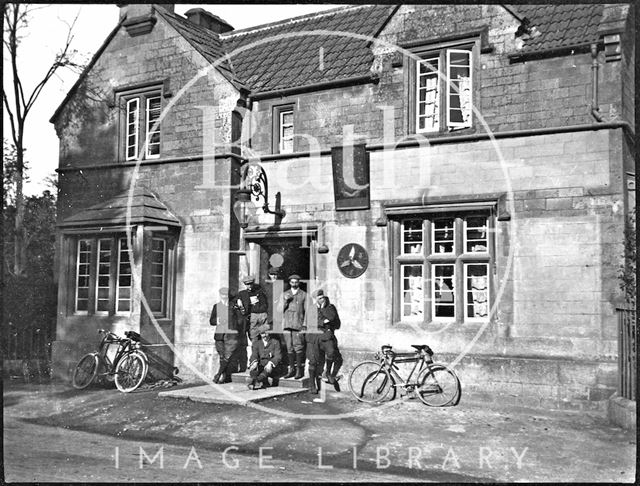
x,y
543,53
281,93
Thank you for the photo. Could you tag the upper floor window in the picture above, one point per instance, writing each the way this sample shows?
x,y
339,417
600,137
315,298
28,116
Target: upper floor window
x,y
283,129
443,90
141,127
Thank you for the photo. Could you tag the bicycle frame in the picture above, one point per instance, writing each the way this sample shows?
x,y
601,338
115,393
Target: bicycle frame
x,y
391,358
125,347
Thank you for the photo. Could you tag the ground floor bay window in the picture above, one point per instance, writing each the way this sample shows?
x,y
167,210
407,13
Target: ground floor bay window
x,y
103,268
442,262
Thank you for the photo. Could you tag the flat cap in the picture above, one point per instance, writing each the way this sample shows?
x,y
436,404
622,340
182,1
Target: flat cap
x,y
295,276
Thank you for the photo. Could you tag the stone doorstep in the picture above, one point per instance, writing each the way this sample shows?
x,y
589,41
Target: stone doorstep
x,y
284,382
236,393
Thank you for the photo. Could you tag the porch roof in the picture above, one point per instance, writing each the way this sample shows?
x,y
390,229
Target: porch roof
x,y
146,208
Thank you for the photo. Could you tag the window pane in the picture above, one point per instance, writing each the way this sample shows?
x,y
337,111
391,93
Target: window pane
x,y
477,290
157,244
427,109
443,235
124,277
286,132
443,290
476,236
154,105
83,275
158,280
413,295
103,286
412,238
459,89
131,136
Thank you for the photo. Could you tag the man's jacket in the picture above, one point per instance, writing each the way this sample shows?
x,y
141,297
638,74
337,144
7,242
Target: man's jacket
x,y
256,295
328,312
293,309
221,311
263,354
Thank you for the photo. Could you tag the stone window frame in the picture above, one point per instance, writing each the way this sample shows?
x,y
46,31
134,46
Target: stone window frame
x,y
140,96
277,112
475,44
427,259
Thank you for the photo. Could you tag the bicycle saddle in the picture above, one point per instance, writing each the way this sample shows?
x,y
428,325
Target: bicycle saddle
x,y
422,347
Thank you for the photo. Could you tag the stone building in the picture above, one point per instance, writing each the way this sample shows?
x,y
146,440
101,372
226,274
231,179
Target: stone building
x,y
449,174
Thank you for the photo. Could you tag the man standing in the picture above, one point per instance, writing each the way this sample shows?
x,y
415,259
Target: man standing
x,y
226,336
293,304
270,288
328,322
265,359
315,352
273,290
253,304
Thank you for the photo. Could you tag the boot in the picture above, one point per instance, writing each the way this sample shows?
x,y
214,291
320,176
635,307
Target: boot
x,y
331,379
334,374
292,366
336,368
299,366
262,381
313,382
220,375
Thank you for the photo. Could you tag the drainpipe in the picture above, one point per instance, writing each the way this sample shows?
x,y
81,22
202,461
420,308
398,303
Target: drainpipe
x,y
595,109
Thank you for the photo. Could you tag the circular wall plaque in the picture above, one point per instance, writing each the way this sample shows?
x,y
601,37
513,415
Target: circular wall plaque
x,y
352,260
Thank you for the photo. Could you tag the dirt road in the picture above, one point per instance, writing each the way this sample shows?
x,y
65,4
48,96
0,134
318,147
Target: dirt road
x,y
55,433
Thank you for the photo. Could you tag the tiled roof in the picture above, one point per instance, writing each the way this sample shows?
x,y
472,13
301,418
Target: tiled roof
x,y
561,25
204,41
282,55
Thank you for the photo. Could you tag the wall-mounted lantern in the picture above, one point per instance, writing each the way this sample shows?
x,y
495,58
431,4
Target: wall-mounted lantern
x,y
254,184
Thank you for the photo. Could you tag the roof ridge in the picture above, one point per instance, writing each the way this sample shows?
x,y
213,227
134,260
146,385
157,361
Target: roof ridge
x,y
292,20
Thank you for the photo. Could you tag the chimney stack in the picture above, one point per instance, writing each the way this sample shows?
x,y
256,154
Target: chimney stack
x,y
201,17
132,10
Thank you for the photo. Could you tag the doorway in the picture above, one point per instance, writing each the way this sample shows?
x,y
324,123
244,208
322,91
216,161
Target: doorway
x,y
289,255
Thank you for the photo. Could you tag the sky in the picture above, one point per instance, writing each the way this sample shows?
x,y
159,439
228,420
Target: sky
x,y
46,34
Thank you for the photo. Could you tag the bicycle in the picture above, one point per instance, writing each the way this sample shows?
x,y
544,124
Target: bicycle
x,y
435,384
128,367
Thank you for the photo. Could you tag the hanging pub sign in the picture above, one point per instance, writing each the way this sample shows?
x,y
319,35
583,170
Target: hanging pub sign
x,y
350,177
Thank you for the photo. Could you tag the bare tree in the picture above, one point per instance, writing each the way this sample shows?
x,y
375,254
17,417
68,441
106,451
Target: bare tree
x,y
19,101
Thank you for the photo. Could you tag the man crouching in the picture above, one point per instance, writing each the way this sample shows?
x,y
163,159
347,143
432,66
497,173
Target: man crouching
x,y
266,358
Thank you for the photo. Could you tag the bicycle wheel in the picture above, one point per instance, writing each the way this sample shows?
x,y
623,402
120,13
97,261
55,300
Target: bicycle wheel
x,y
439,386
86,371
131,372
369,382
